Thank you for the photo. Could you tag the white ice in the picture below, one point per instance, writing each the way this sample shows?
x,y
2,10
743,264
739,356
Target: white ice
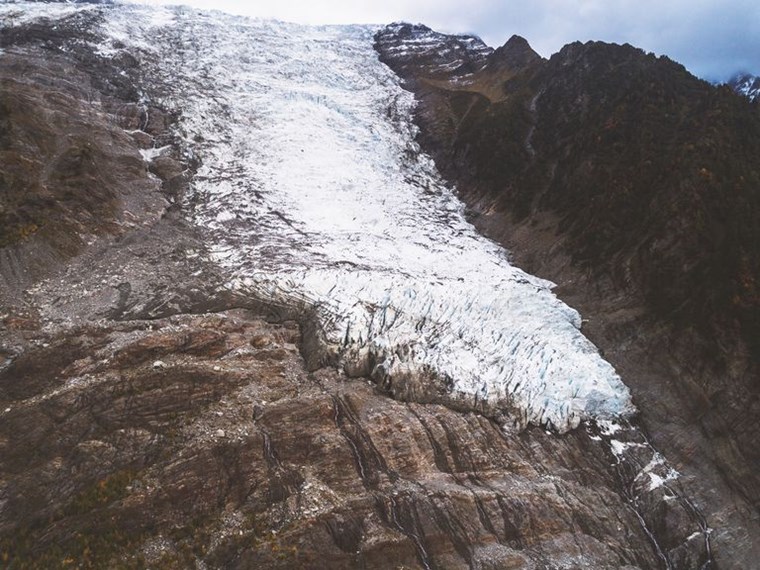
x,y
14,14
313,192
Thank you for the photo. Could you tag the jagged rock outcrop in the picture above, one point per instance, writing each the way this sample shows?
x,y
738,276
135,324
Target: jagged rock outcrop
x,y
634,186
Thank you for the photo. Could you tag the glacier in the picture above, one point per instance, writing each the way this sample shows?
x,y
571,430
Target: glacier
x,y
314,194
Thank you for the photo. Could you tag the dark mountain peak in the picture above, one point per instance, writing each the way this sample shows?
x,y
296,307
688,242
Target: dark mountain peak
x,y
517,41
514,55
610,71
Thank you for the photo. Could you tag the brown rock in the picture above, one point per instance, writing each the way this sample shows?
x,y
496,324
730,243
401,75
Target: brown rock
x,y
331,472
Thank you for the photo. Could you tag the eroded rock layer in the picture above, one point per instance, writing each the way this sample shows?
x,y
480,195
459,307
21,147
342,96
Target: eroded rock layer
x,y
204,438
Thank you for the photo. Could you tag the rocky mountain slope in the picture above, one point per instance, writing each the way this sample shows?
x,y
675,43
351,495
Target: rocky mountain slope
x,y
246,324
634,186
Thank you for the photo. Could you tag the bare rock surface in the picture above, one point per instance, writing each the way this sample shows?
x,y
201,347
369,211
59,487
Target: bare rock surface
x,y
205,438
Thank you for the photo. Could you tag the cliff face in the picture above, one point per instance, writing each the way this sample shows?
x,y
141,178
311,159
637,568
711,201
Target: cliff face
x,y
633,186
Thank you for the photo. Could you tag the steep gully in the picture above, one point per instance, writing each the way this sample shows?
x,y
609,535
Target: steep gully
x,y
132,411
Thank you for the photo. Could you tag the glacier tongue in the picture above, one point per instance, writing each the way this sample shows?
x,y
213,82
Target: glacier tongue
x,y
314,193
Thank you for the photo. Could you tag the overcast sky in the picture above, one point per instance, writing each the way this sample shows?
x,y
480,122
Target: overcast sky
x,y
712,38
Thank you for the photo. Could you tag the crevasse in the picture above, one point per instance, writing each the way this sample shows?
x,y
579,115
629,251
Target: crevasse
x,y
313,191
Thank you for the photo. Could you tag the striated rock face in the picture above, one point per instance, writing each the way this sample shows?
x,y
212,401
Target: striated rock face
x,y
204,438
632,185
